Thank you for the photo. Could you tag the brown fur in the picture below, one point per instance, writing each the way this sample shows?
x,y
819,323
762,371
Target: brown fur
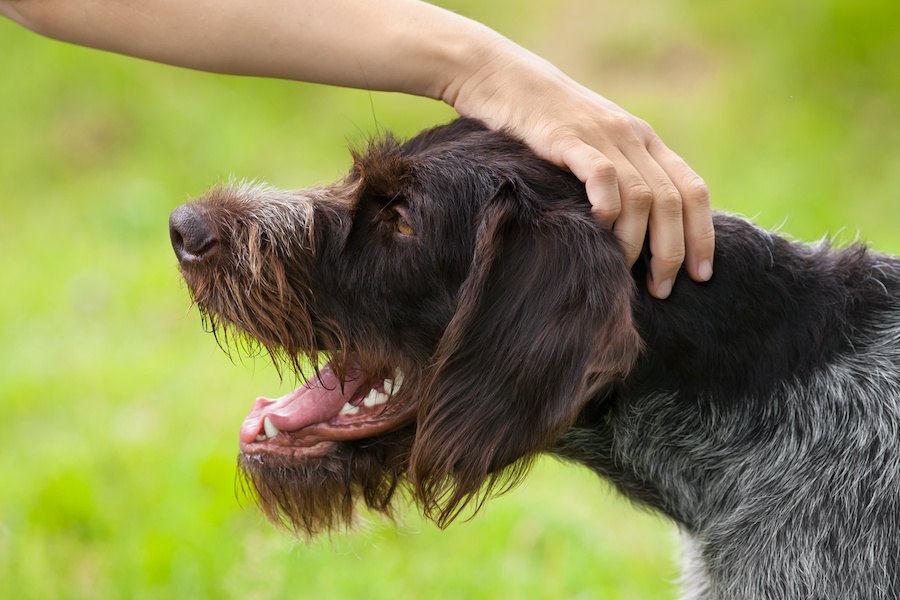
x,y
492,311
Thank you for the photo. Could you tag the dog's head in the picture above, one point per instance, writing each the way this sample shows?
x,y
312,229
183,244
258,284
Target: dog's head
x,y
466,302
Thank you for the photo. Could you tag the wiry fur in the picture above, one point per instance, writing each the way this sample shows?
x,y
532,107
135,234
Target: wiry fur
x,y
264,227
759,411
321,495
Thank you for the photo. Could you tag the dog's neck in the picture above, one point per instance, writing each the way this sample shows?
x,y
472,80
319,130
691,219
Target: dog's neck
x,y
775,311
720,354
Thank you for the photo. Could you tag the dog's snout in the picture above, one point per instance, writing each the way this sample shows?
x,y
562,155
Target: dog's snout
x,y
193,236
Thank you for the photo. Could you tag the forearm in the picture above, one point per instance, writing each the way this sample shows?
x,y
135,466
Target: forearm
x,y
397,45
632,178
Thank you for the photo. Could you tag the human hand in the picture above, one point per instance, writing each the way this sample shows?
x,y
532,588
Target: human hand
x,y
633,180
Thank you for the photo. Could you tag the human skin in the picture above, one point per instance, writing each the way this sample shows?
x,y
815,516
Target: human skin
x,y
633,180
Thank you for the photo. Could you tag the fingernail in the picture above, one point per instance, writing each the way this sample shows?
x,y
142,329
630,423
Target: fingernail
x,y
664,288
705,270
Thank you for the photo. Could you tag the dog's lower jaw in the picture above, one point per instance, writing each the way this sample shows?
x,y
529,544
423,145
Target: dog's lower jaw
x,y
286,452
329,407
318,439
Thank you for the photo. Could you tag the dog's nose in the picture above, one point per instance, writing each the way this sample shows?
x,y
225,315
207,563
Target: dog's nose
x,y
192,235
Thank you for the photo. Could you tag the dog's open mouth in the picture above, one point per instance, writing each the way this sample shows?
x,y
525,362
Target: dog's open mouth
x,y
325,409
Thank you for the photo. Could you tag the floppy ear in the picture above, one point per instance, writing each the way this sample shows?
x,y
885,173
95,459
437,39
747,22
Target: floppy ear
x,y
543,323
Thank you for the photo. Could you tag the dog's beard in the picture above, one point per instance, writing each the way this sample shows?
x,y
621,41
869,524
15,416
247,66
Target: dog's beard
x,y
321,493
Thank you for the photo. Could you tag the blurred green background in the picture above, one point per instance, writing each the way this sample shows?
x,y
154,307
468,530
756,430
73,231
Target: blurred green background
x,y
119,416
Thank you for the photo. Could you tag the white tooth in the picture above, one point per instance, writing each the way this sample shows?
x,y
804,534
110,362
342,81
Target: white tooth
x,y
349,409
375,398
261,437
392,386
370,399
271,430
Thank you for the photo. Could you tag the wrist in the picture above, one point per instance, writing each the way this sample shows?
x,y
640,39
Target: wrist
x,y
429,49
472,61
499,73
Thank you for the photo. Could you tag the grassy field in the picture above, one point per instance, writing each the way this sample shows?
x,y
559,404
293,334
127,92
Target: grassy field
x,y
119,416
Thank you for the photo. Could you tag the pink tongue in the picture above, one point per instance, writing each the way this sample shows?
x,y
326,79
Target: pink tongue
x,y
315,401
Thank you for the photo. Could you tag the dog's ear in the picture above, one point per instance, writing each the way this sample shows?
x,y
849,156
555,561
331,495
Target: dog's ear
x,y
543,323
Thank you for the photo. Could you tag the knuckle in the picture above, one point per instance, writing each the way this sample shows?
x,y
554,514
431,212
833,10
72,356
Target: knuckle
x,y
669,201
555,127
640,197
707,234
606,213
619,125
630,249
562,145
604,171
562,140
645,130
670,260
563,133
697,192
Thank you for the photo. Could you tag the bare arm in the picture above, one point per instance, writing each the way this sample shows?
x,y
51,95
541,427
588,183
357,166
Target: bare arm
x,y
396,45
632,178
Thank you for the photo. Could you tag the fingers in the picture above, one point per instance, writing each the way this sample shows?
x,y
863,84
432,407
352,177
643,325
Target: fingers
x,y
637,199
699,236
599,176
619,197
666,226
635,184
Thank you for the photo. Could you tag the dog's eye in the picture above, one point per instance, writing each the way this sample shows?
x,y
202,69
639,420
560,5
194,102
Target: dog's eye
x,y
403,227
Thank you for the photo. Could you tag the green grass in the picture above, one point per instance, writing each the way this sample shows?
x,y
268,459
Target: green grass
x,y
119,415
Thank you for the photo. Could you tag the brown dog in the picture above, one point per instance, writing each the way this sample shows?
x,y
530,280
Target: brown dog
x,y
475,315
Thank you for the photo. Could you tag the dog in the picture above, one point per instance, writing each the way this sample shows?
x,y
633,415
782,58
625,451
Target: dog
x,y
474,315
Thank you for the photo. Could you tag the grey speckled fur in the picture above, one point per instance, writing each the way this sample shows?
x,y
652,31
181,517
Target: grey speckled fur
x,y
795,495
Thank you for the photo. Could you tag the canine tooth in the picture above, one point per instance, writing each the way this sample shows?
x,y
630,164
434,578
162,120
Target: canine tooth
x,y
348,409
269,426
380,399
